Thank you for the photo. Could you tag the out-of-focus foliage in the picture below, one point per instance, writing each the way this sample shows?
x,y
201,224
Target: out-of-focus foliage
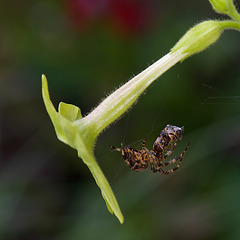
x,y
87,48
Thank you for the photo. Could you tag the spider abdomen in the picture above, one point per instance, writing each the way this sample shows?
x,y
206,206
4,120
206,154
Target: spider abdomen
x,y
135,159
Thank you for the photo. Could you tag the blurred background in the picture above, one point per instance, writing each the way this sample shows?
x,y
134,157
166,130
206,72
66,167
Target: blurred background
x,y
87,48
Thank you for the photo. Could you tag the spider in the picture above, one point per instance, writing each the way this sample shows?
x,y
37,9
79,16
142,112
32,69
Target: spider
x,y
164,146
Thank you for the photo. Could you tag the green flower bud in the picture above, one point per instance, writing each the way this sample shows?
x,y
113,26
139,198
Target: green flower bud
x,y
221,6
226,7
199,37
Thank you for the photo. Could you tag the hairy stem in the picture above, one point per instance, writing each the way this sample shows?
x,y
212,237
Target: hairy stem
x,y
122,99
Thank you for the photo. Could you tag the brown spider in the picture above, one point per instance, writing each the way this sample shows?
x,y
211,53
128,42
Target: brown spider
x,y
166,142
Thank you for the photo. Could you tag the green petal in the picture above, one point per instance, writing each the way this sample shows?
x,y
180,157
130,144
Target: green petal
x,y
79,138
69,111
51,110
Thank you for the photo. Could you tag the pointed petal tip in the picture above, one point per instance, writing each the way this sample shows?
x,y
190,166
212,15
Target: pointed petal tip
x,y
44,79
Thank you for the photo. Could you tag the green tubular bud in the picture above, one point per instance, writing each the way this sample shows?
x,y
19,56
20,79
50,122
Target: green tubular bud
x,y
199,37
221,6
226,7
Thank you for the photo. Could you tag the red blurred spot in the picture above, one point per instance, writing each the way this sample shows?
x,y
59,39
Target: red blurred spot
x,y
83,12
129,17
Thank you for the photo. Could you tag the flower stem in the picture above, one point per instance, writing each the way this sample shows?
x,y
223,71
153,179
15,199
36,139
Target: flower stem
x,y
122,99
230,25
234,13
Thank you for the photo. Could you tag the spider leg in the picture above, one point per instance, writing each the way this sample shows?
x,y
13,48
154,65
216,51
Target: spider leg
x,y
116,149
135,166
170,170
169,152
153,169
162,172
153,162
176,159
180,158
161,158
121,149
172,143
143,143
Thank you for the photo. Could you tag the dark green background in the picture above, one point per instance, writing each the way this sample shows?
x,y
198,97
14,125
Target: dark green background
x,y
46,192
